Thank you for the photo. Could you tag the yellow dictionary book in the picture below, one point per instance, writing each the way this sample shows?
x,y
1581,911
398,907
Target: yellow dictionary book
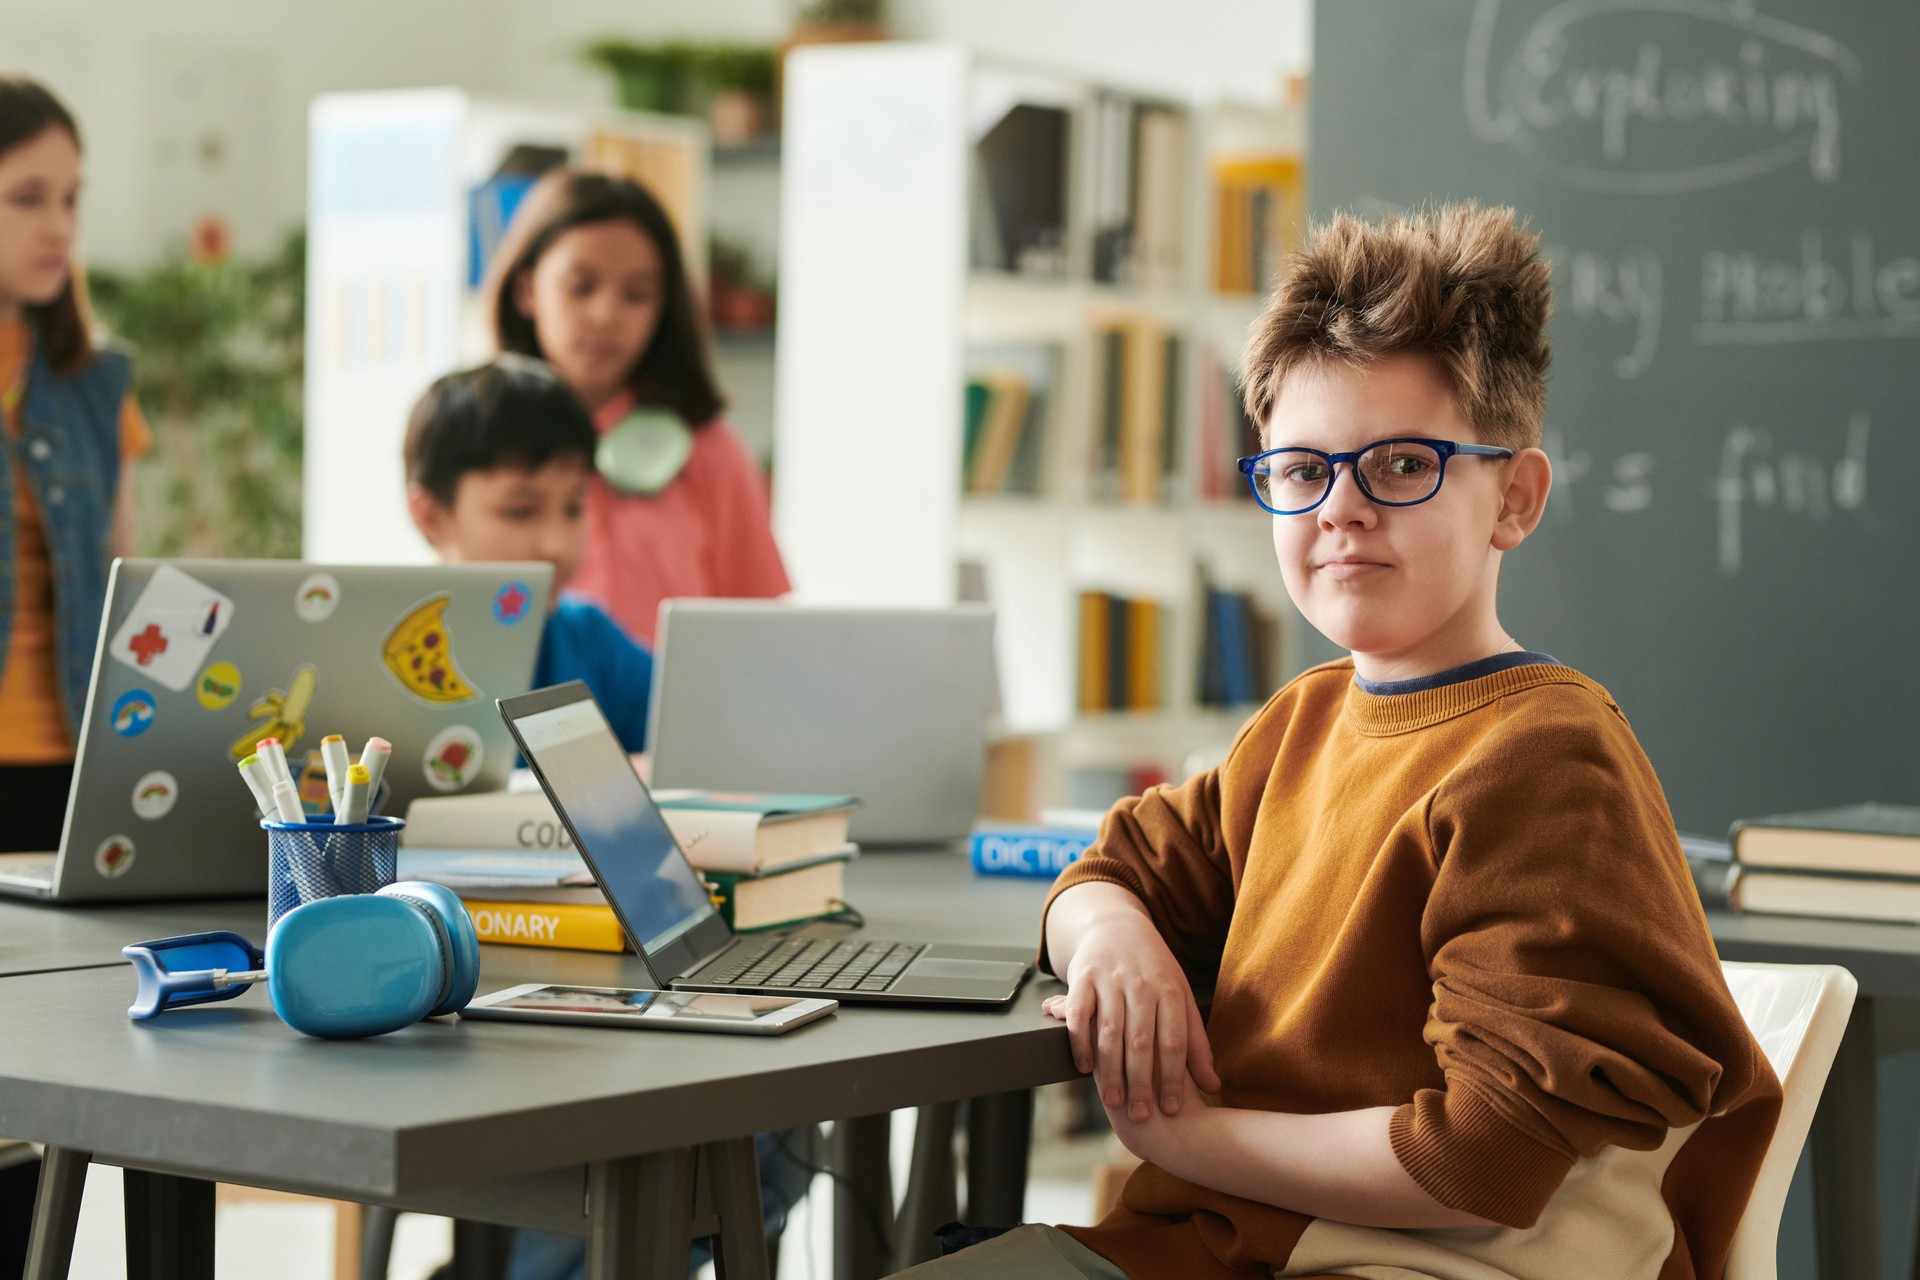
x,y
572,926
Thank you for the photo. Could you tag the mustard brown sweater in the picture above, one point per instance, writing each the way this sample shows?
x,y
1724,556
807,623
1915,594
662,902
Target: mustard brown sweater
x,y
1467,903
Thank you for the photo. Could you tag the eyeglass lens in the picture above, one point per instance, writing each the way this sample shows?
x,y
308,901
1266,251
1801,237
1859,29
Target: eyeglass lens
x,y
1294,479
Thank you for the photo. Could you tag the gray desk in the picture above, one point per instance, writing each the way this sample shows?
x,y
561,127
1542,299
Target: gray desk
x,y
501,1122
1885,958
39,938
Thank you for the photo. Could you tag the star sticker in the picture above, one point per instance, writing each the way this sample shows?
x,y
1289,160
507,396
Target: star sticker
x,y
512,602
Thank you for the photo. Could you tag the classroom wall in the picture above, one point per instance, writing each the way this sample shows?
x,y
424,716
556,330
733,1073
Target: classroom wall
x,y
203,105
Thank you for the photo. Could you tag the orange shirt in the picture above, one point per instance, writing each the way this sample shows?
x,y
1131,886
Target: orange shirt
x,y
33,724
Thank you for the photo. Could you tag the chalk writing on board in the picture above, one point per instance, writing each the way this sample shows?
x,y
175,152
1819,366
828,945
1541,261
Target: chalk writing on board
x,y
1622,289
1627,482
1823,292
1653,97
1753,473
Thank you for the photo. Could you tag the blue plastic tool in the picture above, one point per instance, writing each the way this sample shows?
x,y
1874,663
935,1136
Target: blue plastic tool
x,y
340,968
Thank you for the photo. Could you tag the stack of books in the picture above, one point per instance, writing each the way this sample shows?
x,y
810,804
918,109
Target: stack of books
x,y
1006,408
1135,436
1238,641
1259,216
1861,862
1119,653
769,859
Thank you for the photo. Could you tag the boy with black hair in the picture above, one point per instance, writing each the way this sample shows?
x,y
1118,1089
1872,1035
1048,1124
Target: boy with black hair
x,y
1467,1020
497,461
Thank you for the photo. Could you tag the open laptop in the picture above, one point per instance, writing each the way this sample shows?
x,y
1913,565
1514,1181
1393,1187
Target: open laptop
x,y
890,705
664,908
198,659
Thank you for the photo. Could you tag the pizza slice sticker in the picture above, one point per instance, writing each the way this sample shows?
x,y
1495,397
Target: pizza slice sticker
x,y
171,627
419,653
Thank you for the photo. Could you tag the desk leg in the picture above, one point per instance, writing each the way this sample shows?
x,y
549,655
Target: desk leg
x,y
999,1134
169,1226
1846,1155
638,1211
733,1180
931,1200
56,1213
480,1250
863,1198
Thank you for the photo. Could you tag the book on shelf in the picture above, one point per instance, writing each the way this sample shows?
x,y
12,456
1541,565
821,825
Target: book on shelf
x,y
1136,198
1135,441
718,830
1870,839
1119,652
1259,216
579,919
1021,177
1238,640
1008,392
1224,432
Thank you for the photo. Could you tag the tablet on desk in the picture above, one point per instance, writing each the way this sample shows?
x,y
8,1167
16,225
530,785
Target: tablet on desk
x,y
649,1010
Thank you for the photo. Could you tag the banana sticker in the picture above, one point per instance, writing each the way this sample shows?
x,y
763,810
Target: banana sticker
x,y
282,714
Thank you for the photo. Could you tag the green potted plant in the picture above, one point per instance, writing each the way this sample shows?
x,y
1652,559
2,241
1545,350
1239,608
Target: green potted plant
x,y
648,77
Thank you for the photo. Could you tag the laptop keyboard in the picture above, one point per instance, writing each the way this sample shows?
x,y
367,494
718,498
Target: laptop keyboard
x,y
812,964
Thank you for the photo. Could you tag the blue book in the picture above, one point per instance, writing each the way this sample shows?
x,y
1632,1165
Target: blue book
x,y
1236,656
1034,852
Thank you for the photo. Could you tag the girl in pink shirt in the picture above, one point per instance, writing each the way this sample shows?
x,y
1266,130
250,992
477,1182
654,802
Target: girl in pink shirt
x,y
590,278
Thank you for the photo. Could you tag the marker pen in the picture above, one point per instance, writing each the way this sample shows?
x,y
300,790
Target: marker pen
x,y
275,758
374,756
253,771
353,803
286,800
333,754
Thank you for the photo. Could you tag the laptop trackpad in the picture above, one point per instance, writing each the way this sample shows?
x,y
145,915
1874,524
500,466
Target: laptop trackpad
x,y
960,979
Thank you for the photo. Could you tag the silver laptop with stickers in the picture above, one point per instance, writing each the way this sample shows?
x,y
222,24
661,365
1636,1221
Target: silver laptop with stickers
x,y
198,660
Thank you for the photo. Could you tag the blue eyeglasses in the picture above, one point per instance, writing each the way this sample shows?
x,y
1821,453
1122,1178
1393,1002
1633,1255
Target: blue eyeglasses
x,y
1402,472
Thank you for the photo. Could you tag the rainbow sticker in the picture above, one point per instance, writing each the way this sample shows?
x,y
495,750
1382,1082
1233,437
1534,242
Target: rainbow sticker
x,y
132,713
155,794
317,597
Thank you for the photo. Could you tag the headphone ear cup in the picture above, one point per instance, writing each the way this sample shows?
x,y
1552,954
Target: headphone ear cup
x,y
357,965
460,941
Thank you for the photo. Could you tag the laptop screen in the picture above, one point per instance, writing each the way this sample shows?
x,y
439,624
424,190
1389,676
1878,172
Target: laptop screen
x,y
615,822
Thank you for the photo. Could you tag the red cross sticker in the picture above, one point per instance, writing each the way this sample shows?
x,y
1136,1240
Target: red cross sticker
x,y
149,644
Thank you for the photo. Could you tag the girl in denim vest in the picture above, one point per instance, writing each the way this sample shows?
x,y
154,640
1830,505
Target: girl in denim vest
x,y
69,429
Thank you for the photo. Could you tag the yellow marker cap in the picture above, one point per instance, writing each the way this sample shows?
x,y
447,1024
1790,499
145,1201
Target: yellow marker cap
x,y
358,773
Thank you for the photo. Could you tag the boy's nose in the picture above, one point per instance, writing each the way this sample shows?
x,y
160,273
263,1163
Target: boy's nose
x,y
1345,504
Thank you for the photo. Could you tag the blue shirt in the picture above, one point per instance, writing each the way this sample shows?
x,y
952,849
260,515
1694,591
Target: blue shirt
x,y
582,643
1456,675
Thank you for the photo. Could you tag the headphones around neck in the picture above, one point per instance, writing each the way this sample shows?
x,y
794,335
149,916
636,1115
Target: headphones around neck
x,y
338,968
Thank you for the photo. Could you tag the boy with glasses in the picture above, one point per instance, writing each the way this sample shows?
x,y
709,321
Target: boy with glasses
x,y
1466,1017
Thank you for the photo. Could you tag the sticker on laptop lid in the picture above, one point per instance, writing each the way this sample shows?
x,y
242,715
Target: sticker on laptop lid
x,y
133,713
114,857
312,782
317,598
511,602
453,757
155,794
218,686
280,713
174,622
419,653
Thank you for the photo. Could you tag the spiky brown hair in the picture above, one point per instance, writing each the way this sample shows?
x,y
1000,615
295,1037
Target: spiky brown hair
x,y
1462,285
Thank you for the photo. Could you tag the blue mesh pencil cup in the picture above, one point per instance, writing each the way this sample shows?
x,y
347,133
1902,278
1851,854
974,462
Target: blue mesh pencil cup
x,y
318,858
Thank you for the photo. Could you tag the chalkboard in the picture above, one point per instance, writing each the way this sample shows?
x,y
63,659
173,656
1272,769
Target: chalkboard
x,y
1730,194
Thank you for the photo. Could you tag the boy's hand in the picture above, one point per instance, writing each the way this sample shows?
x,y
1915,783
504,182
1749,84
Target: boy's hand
x,y
1132,1019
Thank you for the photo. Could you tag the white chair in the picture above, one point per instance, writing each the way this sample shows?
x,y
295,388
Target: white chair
x,y
1797,1012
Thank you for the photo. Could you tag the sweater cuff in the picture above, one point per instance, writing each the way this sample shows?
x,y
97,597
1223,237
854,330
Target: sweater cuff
x,y
1106,871
1468,1156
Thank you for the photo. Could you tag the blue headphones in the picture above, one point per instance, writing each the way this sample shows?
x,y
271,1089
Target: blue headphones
x,y
338,968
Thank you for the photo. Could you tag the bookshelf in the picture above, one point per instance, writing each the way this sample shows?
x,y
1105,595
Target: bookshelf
x,y
943,213
408,191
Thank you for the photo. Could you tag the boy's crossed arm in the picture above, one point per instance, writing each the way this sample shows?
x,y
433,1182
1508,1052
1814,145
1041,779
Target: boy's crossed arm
x,y
1133,1022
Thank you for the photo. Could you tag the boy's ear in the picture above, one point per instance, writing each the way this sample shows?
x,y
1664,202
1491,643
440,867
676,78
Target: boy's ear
x,y
430,516
1523,501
